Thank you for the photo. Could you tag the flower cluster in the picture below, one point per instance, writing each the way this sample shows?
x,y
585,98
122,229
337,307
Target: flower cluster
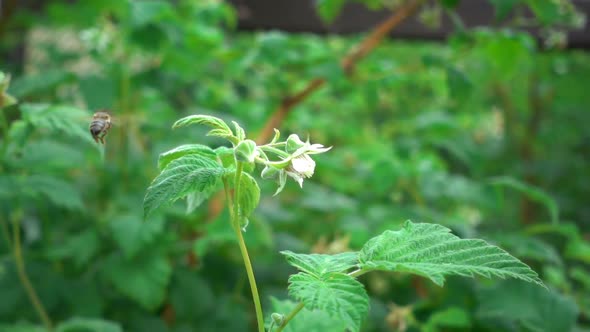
x,y
295,161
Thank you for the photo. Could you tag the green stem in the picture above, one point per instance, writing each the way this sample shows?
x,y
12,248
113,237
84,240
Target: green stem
x,y
24,278
290,316
357,273
244,251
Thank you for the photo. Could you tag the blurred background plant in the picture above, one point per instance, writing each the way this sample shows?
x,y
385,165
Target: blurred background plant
x,y
485,134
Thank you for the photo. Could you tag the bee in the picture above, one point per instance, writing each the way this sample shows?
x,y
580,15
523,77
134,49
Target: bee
x,y
100,125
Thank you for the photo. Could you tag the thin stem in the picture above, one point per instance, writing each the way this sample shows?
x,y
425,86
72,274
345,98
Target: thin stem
x,y
243,250
357,273
24,278
290,316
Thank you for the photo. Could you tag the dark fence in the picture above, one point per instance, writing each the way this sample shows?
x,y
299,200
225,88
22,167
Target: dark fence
x,y
300,16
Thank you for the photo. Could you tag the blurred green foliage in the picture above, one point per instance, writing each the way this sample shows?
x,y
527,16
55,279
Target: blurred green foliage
x,y
485,134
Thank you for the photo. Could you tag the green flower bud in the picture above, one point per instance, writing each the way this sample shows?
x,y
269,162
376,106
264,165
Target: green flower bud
x,y
269,172
294,143
246,151
277,318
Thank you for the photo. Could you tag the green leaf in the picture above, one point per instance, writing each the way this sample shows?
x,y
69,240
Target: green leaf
x,y
144,278
432,251
182,150
80,247
547,12
56,190
502,8
319,264
145,12
531,192
220,128
187,174
79,324
240,133
226,155
338,294
329,9
57,119
249,195
132,234
535,308
453,317
450,4
49,79
306,320
21,327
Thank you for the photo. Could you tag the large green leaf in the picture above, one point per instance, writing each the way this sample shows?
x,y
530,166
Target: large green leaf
x,y
187,174
535,308
339,294
432,251
79,324
319,264
143,278
182,150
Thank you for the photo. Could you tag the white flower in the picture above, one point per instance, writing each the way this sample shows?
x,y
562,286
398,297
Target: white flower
x,y
301,167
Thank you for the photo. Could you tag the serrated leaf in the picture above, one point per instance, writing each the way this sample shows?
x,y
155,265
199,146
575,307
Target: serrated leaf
x,y
58,119
182,150
79,324
306,320
432,251
249,195
149,272
207,120
240,133
338,294
187,174
319,264
219,133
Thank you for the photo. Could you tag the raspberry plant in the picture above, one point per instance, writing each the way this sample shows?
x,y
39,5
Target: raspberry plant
x,y
324,282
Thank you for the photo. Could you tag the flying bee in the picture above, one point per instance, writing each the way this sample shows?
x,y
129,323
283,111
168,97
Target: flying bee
x,y
100,125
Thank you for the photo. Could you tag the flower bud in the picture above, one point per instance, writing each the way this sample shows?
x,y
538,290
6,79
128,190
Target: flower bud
x,y
246,151
294,143
269,172
277,318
